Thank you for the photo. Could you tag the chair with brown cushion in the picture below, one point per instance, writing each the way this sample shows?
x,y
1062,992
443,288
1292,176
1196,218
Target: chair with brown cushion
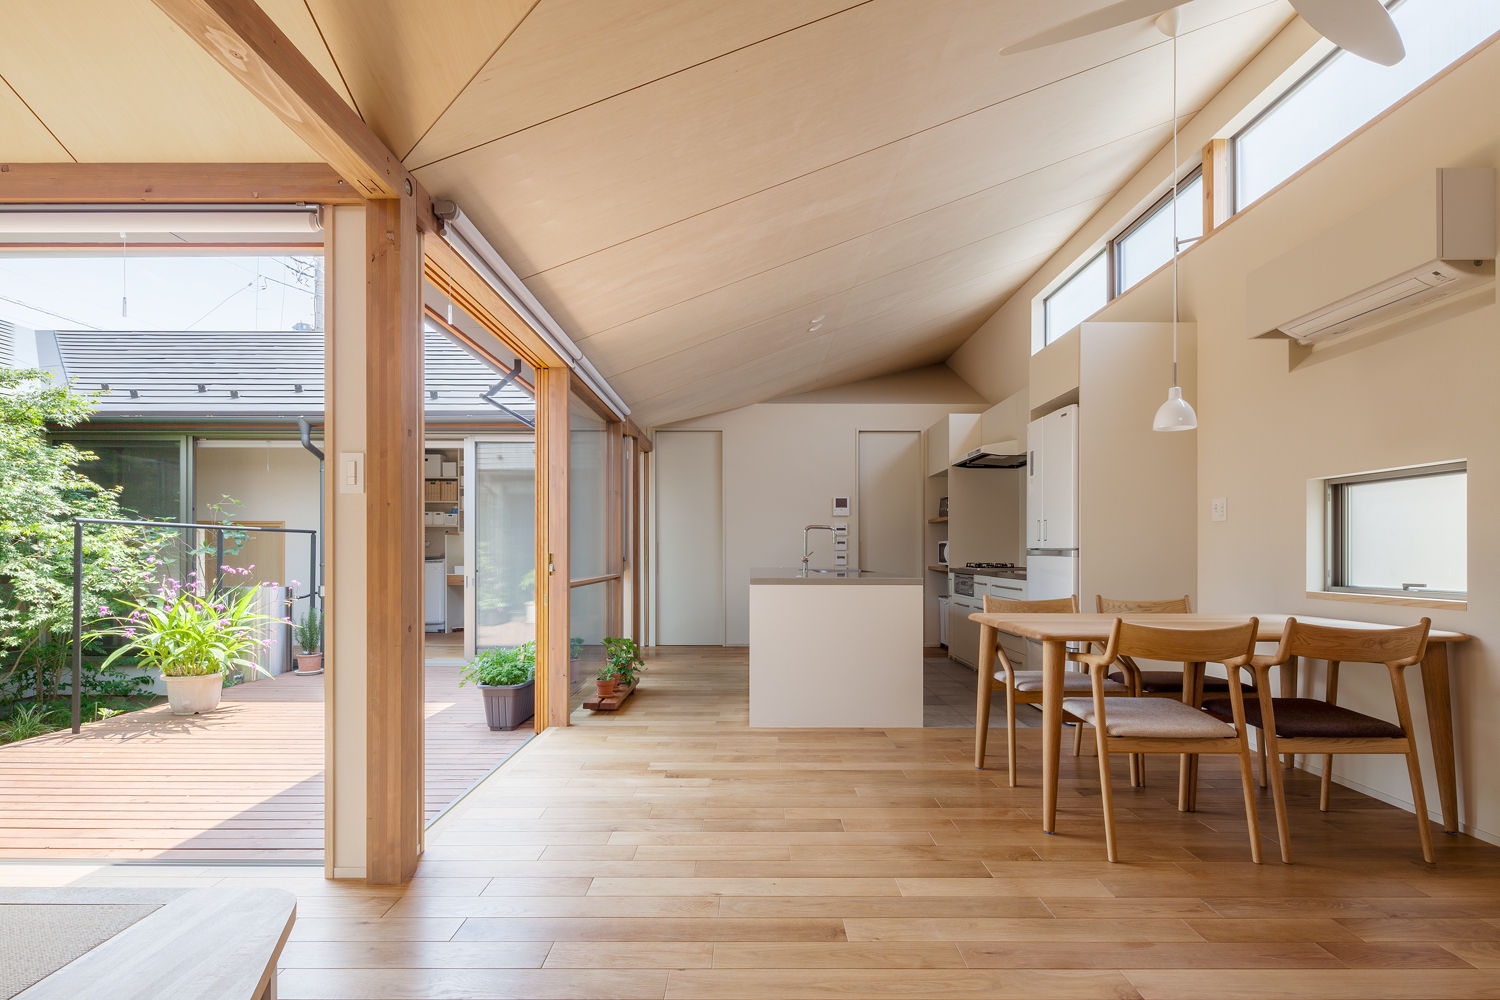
x,y
1159,725
1311,725
1023,687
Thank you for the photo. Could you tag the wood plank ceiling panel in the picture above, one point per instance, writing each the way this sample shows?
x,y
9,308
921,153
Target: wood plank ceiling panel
x,y
296,22
405,62
123,84
569,54
26,138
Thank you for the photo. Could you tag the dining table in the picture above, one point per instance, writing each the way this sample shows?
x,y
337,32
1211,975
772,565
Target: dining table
x,y
1056,631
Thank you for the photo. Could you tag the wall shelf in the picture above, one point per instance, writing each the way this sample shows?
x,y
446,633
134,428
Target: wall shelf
x,y
937,520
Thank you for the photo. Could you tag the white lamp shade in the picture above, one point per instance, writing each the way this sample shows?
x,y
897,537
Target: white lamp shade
x,y
1176,414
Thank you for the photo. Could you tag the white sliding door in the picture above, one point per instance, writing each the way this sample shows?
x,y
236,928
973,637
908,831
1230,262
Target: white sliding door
x,y
689,535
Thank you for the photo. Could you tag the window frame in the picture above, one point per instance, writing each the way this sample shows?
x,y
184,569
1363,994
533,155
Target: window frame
x,y
1335,530
1048,337
1116,282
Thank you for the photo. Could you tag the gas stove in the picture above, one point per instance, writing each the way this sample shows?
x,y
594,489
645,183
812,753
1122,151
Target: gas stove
x,y
990,565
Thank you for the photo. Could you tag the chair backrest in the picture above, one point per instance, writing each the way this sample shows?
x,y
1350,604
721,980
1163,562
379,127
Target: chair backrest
x,y
1400,647
1056,606
1232,645
1116,606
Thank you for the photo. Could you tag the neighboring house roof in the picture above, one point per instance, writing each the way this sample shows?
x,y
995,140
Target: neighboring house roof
x,y
250,374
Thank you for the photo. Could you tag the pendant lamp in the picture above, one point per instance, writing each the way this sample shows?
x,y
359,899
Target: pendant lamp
x,y
1176,414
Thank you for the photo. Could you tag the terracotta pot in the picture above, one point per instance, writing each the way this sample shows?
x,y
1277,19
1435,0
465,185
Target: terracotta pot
x,y
606,688
309,663
194,695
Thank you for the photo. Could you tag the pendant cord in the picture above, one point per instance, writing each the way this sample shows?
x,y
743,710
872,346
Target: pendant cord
x,y
124,285
1176,243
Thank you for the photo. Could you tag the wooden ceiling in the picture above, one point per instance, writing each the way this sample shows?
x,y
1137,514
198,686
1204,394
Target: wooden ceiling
x,y
686,184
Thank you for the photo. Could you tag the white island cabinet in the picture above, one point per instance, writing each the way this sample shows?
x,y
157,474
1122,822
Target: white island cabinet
x,y
832,649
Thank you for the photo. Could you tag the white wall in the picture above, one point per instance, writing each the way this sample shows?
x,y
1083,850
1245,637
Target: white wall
x,y
1266,429
785,462
273,482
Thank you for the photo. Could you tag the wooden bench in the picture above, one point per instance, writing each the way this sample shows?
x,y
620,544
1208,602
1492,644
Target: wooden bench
x,y
213,944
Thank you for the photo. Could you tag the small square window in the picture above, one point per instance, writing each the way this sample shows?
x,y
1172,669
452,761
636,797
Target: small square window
x,y
1401,532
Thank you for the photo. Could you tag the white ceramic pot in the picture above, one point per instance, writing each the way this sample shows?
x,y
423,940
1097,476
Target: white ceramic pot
x,y
194,695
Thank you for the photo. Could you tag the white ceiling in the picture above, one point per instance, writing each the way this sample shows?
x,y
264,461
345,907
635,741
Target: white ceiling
x,y
685,184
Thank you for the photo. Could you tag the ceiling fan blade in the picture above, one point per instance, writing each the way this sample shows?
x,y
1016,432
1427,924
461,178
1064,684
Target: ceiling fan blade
x,y
1363,27
1112,16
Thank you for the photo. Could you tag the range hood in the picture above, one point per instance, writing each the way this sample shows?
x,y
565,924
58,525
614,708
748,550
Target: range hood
x,y
999,455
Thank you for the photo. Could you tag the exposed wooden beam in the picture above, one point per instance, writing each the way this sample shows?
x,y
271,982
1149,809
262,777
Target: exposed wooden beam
x,y
173,183
393,555
453,276
246,42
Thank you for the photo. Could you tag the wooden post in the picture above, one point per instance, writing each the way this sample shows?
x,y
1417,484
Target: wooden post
x,y
614,527
393,385
552,680
1217,200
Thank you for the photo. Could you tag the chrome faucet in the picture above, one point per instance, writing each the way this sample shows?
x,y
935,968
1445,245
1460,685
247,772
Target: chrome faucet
x,y
806,552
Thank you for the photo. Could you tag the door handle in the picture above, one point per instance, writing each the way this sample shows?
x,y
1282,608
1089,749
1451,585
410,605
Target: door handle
x,y
1044,529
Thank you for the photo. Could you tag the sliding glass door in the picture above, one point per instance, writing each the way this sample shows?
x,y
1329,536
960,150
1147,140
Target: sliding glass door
x,y
500,560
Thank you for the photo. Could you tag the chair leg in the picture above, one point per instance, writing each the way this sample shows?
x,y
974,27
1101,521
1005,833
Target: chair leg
x,y
1077,739
1325,794
1010,732
1424,825
1247,782
1106,797
982,716
1265,761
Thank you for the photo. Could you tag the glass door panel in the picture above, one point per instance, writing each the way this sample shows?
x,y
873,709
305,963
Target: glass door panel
x,y
500,564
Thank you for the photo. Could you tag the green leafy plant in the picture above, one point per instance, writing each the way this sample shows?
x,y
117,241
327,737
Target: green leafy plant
x,y
502,666
186,634
310,630
44,487
625,660
26,722
607,673
575,647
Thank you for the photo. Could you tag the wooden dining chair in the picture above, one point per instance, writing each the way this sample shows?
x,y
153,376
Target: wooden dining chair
x,y
1312,725
1022,687
1158,725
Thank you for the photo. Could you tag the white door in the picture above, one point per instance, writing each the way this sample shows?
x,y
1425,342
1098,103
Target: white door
x,y
499,512
889,502
1034,482
1060,479
689,536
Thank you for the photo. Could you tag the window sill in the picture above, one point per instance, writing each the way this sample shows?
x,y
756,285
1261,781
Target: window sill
x,y
1410,602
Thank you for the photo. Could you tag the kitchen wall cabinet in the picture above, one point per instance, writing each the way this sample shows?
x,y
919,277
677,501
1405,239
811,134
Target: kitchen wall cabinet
x,y
951,438
1052,480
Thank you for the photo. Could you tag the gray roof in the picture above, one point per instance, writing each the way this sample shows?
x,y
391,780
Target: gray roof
x,y
240,374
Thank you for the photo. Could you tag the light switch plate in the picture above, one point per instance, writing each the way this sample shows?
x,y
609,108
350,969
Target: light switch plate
x,y
351,472
1219,509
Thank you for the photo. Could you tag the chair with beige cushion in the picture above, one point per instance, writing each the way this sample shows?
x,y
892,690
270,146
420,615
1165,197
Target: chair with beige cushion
x,y
1159,725
1311,725
1022,687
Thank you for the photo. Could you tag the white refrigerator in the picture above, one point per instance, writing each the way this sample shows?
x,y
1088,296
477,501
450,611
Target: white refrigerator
x,y
1052,505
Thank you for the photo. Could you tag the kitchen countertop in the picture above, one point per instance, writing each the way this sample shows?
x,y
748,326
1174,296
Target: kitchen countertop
x,y
796,576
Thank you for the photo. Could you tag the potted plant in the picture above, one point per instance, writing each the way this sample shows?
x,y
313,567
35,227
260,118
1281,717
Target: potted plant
x,y
606,682
193,639
310,641
625,661
575,647
506,677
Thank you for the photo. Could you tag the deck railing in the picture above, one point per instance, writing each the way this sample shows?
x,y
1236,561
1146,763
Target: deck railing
x,y
218,529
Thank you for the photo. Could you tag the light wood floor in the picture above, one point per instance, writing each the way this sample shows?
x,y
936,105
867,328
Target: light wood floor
x,y
242,783
668,851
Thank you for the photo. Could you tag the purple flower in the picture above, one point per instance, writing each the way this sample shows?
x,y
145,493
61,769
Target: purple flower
x,y
129,633
103,610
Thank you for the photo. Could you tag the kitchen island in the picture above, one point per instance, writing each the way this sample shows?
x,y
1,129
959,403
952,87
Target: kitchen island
x,y
834,648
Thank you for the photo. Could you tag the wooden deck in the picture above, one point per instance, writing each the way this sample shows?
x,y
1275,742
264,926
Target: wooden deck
x,y
244,783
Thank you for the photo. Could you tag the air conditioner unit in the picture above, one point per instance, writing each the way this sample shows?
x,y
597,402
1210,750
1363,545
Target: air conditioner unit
x,y
1417,287
1430,239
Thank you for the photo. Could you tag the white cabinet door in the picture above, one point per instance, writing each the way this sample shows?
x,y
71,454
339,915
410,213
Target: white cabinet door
x,y
1034,482
1060,479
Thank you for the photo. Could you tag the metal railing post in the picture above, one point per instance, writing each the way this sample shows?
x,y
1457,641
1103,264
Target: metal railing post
x,y
219,560
76,697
